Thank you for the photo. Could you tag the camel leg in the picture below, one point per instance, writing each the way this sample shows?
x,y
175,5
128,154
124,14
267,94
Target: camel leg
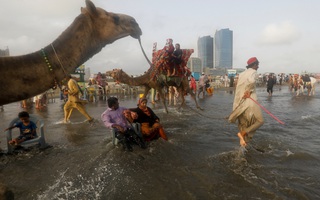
x,y
313,89
162,97
146,91
175,96
194,98
181,94
170,95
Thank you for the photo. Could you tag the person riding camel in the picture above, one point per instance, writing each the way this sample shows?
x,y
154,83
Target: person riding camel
x,y
167,56
306,81
176,58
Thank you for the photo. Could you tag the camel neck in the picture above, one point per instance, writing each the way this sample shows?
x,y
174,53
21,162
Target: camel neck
x,y
69,50
133,81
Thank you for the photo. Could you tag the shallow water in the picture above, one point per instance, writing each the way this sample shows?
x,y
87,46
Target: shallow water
x,y
202,159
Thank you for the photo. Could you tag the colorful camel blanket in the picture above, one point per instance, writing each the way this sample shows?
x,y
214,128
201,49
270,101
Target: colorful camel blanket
x,y
162,61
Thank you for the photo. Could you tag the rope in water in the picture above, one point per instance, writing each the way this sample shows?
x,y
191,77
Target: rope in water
x,y
267,111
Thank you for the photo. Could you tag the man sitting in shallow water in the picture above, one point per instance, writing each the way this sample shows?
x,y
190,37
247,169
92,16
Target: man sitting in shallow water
x,y
115,117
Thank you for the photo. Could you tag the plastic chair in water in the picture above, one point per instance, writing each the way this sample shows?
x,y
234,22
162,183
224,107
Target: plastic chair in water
x,y
136,127
40,139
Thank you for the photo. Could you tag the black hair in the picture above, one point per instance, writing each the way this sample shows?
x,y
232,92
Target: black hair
x,y
112,101
23,114
252,64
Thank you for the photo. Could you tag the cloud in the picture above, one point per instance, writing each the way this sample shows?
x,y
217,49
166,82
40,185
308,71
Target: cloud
x,y
279,34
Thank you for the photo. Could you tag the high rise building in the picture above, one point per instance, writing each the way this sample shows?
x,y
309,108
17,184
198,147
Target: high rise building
x,y
205,51
194,64
223,48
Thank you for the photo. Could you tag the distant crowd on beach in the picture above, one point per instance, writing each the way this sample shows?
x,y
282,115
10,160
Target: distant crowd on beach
x,y
99,87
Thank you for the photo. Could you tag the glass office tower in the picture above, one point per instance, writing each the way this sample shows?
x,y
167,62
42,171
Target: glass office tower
x,y
223,48
205,51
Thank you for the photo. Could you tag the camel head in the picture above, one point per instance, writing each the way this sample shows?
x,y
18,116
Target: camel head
x,y
108,27
115,73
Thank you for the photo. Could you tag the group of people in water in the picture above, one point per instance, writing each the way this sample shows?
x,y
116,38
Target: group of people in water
x,y
297,83
300,82
116,117
245,111
40,101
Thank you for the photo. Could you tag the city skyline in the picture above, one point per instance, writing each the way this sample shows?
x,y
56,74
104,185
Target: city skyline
x,y
283,37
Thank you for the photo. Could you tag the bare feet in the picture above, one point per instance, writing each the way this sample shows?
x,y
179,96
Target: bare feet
x,y
66,121
241,136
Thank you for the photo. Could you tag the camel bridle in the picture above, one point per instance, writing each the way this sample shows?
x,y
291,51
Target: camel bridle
x,y
56,83
62,67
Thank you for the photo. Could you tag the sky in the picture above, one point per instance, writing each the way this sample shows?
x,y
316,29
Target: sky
x,y
282,34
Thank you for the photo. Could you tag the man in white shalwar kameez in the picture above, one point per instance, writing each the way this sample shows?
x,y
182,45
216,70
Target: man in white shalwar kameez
x,y
246,111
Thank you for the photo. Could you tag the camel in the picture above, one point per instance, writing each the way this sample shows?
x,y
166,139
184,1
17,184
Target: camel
x,y
298,85
313,86
310,85
146,80
22,77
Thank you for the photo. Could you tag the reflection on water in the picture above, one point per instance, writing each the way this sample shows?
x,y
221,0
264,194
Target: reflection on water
x,y
201,160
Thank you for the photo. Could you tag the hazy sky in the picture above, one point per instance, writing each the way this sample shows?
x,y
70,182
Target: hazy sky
x,y
282,34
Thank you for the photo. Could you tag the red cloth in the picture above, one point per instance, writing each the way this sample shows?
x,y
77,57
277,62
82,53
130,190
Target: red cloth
x,y
193,84
252,60
161,61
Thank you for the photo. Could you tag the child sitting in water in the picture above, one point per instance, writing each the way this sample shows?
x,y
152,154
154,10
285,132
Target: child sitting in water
x,y
27,129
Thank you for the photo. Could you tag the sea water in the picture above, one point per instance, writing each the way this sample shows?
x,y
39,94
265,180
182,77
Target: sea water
x,y
201,160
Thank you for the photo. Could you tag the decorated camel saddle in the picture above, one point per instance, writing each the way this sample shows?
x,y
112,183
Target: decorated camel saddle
x,y
162,62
